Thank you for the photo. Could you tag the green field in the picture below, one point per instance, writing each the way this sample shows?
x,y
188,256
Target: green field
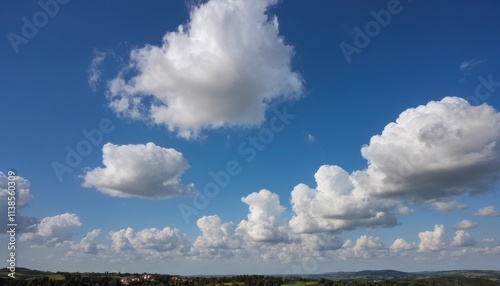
x,y
300,283
22,273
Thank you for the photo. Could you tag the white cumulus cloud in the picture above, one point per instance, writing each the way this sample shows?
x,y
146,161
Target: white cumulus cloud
x,y
150,243
23,197
336,204
401,244
216,235
53,231
432,240
462,239
435,151
88,243
446,205
220,69
488,211
404,210
365,247
143,170
265,222
430,154
465,224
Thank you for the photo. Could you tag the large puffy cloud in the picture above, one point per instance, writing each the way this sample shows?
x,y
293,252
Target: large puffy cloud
x,y
216,235
22,198
336,204
220,69
435,151
217,239
143,170
53,231
431,154
432,240
265,222
150,243
462,239
264,235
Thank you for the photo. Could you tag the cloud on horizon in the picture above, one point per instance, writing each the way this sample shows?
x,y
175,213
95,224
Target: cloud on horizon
x,y
150,243
226,241
432,240
337,204
53,231
265,222
88,244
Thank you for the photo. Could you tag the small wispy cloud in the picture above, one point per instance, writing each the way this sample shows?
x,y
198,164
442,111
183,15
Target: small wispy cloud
x,y
446,206
470,64
465,224
95,69
404,210
489,240
311,138
488,211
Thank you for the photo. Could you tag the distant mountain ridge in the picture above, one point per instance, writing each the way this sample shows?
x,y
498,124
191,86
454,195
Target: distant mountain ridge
x,y
492,275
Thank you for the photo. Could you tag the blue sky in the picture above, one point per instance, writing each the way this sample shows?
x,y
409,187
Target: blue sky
x,y
384,155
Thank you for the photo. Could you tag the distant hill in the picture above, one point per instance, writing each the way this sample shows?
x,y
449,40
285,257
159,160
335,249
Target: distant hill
x,y
376,277
491,275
